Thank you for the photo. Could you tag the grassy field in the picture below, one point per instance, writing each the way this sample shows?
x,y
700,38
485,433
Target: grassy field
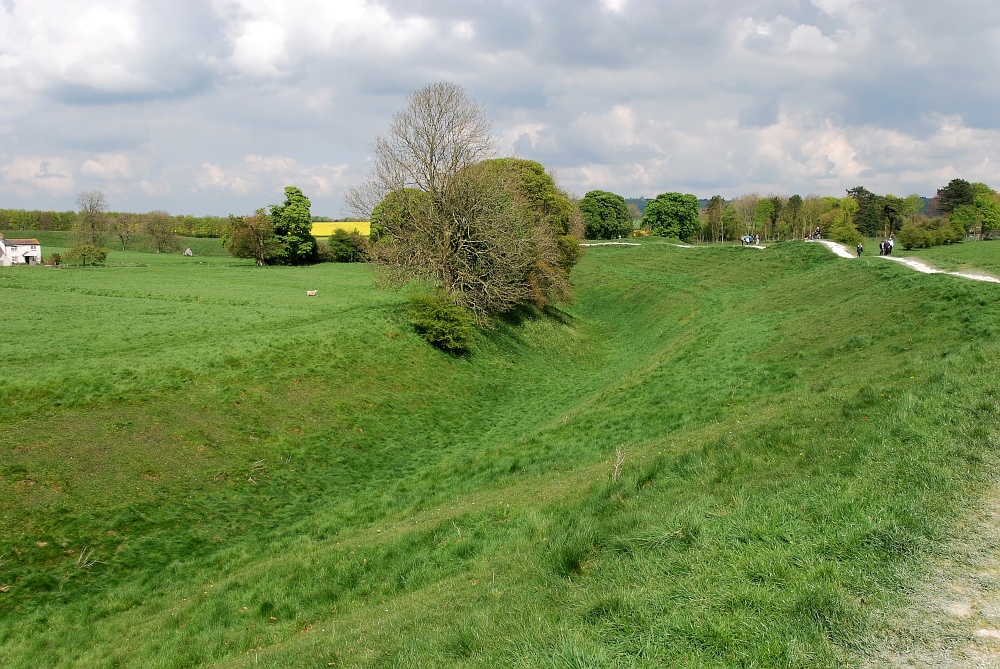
x,y
971,255
325,229
202,467
58,241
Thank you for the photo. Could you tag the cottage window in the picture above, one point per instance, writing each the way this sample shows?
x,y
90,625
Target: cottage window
x,y
34,248
13,248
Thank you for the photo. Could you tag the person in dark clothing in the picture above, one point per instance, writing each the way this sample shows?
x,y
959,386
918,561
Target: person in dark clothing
x,y
860,249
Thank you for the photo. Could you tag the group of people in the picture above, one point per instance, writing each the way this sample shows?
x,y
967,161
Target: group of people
x,y
749,240
815,234
884,248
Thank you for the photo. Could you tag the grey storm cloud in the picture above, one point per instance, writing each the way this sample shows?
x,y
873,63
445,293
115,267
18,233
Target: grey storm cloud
x,y
213,106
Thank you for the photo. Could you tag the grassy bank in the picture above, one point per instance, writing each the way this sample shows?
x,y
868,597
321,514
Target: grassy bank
x,y
205,467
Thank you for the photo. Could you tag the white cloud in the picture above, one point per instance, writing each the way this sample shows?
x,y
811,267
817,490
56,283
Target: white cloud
x,y
36,176
259,48
614,129
108,167
213,106
269,174
267,37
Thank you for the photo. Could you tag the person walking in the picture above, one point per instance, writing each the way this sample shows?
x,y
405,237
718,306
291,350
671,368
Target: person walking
x,y
860,249
889,247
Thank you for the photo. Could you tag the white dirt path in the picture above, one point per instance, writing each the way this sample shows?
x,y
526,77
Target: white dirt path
x,y
912,263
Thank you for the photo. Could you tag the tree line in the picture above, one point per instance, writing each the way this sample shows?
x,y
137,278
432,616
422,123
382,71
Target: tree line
x,y
958,210
34,219
95,226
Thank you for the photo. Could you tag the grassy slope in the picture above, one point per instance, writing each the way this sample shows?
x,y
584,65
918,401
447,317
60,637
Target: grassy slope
x,y
294,482
974,255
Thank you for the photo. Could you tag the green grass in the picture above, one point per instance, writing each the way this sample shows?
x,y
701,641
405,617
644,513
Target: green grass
x,y
58,241
266,479
967,256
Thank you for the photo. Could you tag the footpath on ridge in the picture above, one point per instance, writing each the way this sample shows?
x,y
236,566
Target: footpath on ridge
x,y
912,263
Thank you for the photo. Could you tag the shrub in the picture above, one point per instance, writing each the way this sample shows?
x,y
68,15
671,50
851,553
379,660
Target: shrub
x,y
441,322
910,237
87,254
343,246
931,232
845,234
55,259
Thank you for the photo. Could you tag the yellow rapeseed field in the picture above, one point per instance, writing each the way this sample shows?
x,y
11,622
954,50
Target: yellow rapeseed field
x,y
325,229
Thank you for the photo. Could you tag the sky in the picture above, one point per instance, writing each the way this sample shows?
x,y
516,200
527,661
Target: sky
x,y
214,106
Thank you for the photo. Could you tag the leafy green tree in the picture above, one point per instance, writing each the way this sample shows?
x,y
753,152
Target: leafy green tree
x,y
713,215
893,213
293,228
606,215
967,219
86,254
672,215
794,209
730,222
987,202
548,208
777,206
397,210
868,218
547,204
913,205
843,229
252,237
762,212
955,194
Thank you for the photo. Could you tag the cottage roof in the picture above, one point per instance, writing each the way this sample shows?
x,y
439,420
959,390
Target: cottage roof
x,y
21,242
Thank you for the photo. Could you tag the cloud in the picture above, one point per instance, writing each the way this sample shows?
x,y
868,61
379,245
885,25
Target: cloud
x,y
107,167
214,106
115,50
270,174
32,175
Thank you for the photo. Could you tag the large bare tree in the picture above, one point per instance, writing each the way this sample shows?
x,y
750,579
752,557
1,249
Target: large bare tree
x,y
123,226
91,221
427,145
441,213
159,226
746,209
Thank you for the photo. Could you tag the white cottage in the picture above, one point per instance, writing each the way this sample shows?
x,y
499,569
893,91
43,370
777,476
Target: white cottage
x,y
19,252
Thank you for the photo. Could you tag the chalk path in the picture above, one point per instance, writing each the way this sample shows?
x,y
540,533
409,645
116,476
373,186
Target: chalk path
x,y
912,263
